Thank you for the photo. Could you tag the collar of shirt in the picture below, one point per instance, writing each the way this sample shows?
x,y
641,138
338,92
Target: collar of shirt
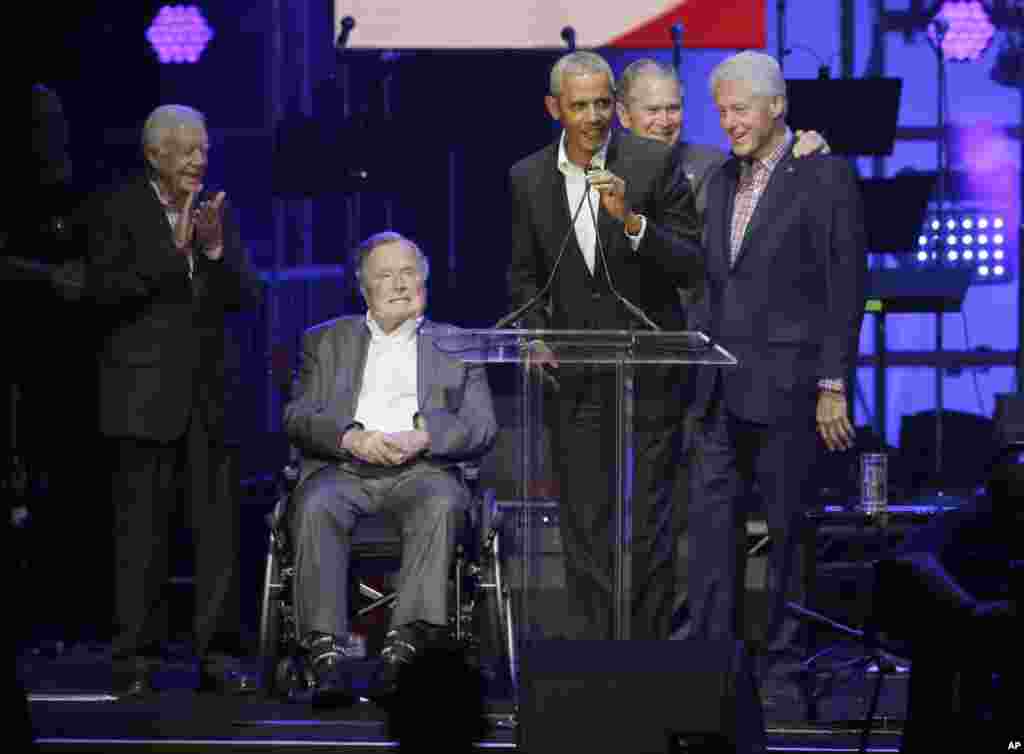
x,y
168,207
768,163
404,332
569,169
172,213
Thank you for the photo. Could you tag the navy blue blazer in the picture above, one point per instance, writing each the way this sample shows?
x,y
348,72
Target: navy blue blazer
x,y
790,308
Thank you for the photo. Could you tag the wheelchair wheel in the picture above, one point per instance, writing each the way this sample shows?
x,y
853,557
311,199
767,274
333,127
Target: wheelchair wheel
x,y
270,620
493,618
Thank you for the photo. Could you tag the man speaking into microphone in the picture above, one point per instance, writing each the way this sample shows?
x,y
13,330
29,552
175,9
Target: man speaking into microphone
x,y
606,220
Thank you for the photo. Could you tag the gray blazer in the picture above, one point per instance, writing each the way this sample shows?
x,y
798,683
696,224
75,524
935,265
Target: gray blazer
x,y
454,397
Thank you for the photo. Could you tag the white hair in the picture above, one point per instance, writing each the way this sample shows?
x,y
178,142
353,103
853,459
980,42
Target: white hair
x,y
166,118
367,247
575,64
760,71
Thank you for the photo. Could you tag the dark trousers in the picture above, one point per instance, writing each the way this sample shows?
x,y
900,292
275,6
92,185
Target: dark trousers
x,y
731,457
584,446
146,486
681,494
425,500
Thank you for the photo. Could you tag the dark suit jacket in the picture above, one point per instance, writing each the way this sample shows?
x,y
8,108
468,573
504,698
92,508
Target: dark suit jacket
x,y
667,258
162,351
790,309
699,163
454,397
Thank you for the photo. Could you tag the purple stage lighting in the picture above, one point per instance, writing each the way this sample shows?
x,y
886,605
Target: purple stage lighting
x,y
968,29
179,34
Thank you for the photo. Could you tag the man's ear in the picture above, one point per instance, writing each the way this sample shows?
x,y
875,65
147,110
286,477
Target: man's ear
x,y
152,155
624,118
777,107
553,109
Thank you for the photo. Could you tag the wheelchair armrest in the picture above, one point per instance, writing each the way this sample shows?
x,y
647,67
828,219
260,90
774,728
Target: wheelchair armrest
x,y
278,517
288,477
288,480
277,522
491,518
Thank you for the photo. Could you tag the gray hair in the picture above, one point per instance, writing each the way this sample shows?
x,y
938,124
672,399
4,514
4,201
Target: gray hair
x,y
362,252
166,118
643,68
760,71
575,64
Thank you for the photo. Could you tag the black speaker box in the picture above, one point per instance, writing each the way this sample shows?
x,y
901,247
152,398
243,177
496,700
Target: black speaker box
x,y
1009,419
641,697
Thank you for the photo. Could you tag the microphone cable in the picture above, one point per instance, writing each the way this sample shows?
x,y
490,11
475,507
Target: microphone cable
x,y
632,308
516,314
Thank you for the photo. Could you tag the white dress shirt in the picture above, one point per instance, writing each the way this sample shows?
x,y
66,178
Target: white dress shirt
x,y
575,185
388,398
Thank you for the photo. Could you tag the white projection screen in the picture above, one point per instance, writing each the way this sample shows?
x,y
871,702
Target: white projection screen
x,y
538,24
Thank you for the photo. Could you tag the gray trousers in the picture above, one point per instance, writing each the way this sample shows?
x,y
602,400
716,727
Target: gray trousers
x,y
428,503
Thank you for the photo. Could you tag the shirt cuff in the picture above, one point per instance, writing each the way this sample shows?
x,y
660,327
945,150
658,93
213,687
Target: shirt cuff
x,y
832,385
634,241
350,426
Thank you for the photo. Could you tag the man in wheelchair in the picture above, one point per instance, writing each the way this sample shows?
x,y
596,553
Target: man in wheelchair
x,y
380,417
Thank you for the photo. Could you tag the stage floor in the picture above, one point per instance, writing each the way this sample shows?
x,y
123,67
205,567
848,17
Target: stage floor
x,y
71,710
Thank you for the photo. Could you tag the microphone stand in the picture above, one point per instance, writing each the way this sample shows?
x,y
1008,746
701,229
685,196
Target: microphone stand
x,y
632,308
677,48
526,308
569,37
940,201
347,25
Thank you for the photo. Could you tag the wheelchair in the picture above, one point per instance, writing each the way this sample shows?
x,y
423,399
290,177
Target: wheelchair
x,y
480,617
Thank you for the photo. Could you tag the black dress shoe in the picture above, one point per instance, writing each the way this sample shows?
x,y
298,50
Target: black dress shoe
x,y
133,679
225,676
332,685
405,643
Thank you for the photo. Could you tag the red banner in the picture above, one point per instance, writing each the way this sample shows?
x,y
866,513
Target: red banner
x,y
706,23
538,24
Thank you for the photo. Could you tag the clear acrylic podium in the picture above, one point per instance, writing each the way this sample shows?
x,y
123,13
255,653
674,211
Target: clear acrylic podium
x,y
623,351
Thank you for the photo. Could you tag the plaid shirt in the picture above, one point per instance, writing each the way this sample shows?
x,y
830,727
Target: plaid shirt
x,y
754,177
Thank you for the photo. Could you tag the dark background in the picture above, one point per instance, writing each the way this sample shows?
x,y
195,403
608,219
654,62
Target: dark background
x,y
434,133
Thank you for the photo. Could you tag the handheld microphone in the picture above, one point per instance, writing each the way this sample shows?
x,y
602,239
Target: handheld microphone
x,y
528,306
